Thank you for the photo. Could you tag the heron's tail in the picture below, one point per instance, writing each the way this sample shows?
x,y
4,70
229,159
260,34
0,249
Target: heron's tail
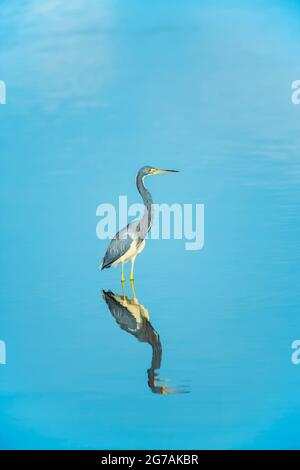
x,y
104,266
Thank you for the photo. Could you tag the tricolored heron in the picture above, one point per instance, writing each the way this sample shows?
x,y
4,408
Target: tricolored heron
x,y
130,241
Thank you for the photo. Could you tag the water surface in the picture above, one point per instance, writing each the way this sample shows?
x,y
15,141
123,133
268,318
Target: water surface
x,y
95,90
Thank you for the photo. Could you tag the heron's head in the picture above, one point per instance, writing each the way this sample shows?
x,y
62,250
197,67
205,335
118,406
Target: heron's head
x,y
150,170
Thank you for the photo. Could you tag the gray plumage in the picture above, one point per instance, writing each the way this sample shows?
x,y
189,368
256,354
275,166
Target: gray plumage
x,y
129,241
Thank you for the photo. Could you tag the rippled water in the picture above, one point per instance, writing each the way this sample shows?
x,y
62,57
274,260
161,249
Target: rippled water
x,y
95,90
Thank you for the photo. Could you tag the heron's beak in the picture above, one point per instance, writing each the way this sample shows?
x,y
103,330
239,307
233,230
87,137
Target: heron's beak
x,y
165,171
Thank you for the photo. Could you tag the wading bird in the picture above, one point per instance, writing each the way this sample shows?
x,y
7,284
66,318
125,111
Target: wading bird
x,y
130,241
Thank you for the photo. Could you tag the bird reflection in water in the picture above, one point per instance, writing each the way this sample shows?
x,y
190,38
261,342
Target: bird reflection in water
x,y
134,318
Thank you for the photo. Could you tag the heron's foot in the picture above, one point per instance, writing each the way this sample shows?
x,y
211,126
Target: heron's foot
x,y
122,280
131,278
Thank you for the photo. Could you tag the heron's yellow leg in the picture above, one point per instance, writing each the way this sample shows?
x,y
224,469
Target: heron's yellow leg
x,y
133,290
132,269
122,277
123,290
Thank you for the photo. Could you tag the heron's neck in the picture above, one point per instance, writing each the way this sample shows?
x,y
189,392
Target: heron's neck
x,y
148,201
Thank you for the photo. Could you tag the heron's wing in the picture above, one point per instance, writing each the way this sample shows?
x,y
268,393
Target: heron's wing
x,y
119,245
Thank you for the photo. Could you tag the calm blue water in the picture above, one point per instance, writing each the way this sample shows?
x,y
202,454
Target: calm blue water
x,y
95,90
